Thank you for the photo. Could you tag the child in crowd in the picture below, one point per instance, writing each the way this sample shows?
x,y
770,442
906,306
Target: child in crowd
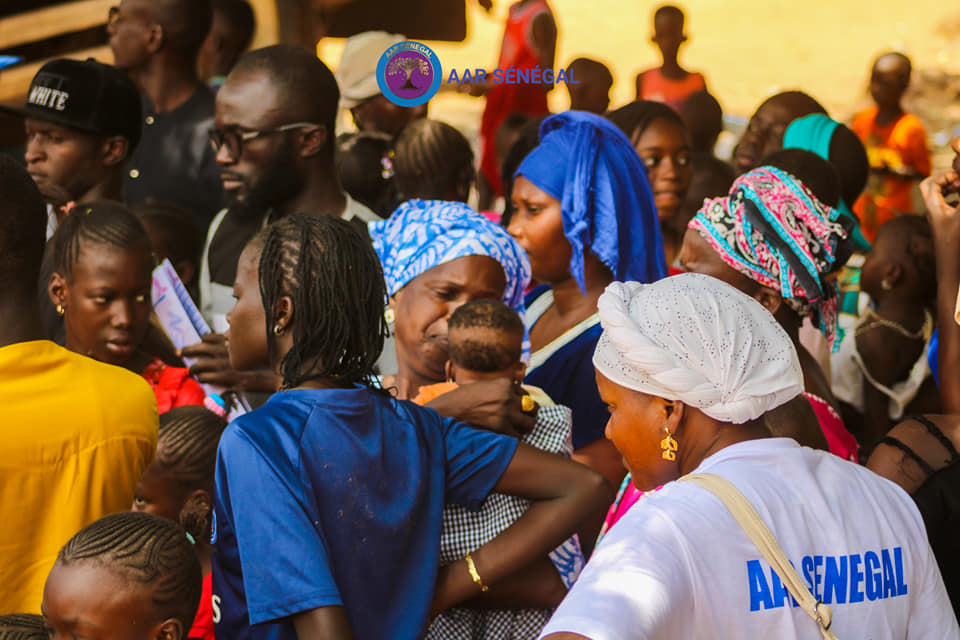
x,y
433,161
179,486
330,496
127,575
22,626
485,339
882,374
591,89
103,264
669,83
712,177
661,139
365,166
174,235
896,145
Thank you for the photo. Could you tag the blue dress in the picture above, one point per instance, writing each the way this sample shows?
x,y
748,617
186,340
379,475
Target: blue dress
x,y
564,369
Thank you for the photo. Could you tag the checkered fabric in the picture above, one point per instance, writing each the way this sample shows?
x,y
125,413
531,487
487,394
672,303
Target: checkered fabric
x,y
465,531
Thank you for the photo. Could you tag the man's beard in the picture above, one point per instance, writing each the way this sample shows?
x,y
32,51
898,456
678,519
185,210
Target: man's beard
x,y
280,182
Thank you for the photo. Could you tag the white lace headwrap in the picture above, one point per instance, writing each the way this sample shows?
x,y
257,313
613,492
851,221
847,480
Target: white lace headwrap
x,y
696,339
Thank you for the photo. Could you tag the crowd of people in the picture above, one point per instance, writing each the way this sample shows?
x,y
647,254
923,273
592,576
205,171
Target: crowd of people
x,y
640,391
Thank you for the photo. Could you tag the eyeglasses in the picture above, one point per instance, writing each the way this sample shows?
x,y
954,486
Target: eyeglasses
x,y
233,139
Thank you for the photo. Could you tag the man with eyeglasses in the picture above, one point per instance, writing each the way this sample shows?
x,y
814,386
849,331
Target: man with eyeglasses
x,y
274,136
157,42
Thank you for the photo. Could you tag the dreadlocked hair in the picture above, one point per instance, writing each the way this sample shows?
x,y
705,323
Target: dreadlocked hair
x,y
433,161
22,626
148,550
102,223
329,269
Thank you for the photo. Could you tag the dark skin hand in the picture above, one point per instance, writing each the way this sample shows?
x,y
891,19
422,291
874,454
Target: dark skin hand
x,y
945,221
565,494
213,367
494,405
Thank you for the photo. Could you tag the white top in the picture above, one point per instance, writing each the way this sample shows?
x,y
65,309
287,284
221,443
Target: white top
x,y
678,565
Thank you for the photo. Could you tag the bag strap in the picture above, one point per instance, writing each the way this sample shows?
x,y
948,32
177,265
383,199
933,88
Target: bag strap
x,y
751,523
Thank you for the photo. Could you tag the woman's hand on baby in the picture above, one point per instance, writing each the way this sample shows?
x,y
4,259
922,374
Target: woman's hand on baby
x,y
495,405
212,366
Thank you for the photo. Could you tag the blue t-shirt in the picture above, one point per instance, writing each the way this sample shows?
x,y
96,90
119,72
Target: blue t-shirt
x,y
335,497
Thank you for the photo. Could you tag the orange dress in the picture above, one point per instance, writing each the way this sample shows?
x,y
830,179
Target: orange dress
x,y
516,51
653,85
900,145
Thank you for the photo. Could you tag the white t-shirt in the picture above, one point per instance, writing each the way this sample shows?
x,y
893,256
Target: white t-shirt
x,y
678,565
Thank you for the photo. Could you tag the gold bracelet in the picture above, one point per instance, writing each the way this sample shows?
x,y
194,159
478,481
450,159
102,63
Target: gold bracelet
x,y
474,574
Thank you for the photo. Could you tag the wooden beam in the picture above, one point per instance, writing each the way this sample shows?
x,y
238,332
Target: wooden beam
x,y
15,81
33,26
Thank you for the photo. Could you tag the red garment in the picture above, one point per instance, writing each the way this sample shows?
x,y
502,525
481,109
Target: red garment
x,y
841,442
653,85
203,624
503,99
172,386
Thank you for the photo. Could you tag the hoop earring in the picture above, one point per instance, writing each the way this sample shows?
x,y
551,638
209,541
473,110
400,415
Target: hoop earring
x,y
60,310
277,330
669,446
389,316
885,285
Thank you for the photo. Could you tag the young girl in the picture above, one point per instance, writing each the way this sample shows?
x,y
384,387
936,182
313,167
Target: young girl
x,y
178,486
128,575
329,497
100,287
882,372
660,137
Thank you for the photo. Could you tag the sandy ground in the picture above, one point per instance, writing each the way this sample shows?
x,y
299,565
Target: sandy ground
x,y
747,49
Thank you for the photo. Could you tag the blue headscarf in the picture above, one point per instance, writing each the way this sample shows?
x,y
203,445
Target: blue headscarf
x,y
814,133
589,165
423,234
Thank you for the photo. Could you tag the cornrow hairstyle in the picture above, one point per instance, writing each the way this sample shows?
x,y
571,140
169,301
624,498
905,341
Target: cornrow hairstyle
x,y
634,118
22,626
187,452
915,243
488,356
328,267
187,445
433,161
365,164
102,223
147,550
23,232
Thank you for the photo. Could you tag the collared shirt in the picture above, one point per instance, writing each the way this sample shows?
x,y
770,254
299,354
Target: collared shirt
x,y
174,161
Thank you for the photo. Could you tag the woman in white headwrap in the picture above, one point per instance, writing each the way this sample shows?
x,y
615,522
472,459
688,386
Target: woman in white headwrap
x,y
688,366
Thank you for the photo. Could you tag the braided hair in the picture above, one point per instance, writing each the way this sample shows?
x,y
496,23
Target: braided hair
x,y
433,161
102,223
148,550
330,270
22,626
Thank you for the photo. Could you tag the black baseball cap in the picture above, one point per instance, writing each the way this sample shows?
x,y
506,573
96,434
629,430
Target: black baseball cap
x,y
85,95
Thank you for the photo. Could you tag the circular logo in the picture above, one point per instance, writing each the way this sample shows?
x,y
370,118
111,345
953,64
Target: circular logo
x,y
409,73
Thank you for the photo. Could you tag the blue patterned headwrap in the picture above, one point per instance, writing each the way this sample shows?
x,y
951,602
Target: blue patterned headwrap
x,y
589,165
423,234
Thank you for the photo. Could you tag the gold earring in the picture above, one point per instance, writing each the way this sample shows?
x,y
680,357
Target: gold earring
x,y
885,285
277,330
389,315
60,310
669,446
